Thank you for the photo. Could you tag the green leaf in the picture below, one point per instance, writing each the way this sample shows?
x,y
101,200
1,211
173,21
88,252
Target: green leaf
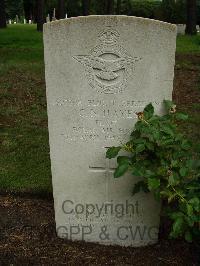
x,y
175,215
123,160
178,225
189,210
167,141
161,171
166,193
174,163
149,146
190,220
153,183
188,236
141,185
137,172
139,126
139,148
194,186
112,152
168,105
149,173
183,171
186,145
173,179
121,170
172,197
156,134
167,130
181,116
139,141
195,202
148,111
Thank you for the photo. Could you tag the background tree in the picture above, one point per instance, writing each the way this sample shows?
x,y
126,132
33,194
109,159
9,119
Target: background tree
x,y
14,8
198,12
86,7
29,9
49,7
61,9
191,17
2,14
109,7
97,7
118,11
173,11
40,15
74,8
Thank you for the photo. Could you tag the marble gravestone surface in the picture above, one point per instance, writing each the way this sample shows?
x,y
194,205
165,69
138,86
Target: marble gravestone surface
x,y
100,71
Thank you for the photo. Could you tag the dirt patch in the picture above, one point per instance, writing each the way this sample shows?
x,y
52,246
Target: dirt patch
x,y
187,80
185,94
28,238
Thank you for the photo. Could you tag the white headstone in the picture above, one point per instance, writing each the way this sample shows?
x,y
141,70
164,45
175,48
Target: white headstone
x,y
15,22
66,16
29,21
105,69
17,19
10,21
54,15
181,29
24,21
48,18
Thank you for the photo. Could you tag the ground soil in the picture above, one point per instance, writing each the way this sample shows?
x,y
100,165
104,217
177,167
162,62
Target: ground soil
x,y
27,229
187,79
28,238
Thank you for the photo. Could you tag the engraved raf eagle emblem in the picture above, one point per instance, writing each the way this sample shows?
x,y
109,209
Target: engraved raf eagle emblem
x,y
108,65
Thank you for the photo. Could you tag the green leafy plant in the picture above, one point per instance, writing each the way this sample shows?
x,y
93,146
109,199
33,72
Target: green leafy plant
x,y
168,167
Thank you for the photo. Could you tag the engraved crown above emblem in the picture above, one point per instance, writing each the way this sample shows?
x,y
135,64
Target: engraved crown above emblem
x,y
108,65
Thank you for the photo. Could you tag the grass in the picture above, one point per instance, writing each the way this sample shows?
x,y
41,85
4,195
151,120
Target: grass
x,y
188,44
24,157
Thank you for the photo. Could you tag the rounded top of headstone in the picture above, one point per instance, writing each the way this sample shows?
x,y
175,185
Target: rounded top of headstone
x,y
114,18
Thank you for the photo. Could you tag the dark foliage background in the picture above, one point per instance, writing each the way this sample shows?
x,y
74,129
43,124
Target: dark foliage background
x,y
166,10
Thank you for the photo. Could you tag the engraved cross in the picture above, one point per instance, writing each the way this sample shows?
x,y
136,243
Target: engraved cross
x,y
107,170
103,169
